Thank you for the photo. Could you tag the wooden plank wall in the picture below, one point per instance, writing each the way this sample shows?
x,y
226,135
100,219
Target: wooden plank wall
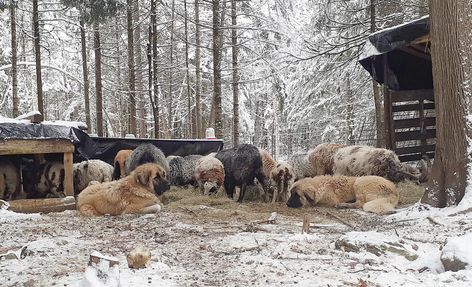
x,y
420,126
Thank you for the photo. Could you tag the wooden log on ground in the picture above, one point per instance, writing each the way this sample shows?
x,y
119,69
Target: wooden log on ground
x,y
306,224
44,205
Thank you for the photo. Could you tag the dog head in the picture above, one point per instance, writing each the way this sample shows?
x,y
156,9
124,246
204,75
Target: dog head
x,y
153,177
299,197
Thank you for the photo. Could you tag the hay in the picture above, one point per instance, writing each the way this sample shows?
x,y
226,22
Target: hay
x,y
409,193
220,207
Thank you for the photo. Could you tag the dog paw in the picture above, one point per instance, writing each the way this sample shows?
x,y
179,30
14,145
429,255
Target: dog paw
x,y
152,209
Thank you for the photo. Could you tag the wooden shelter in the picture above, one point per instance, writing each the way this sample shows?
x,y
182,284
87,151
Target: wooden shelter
x,y
38,146
400,59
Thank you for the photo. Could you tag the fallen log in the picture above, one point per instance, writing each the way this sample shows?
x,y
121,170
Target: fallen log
x,y
44,205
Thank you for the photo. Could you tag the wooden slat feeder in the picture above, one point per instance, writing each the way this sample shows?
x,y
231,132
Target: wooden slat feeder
x,y
38,146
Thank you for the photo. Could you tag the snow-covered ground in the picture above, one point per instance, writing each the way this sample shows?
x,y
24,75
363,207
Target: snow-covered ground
x,y
216,245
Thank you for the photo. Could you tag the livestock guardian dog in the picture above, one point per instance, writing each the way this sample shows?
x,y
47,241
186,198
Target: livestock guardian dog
x,y
371,193
136,193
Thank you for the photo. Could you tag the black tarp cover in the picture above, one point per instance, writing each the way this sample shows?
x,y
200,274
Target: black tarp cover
x,y
108,147
407,72
87,147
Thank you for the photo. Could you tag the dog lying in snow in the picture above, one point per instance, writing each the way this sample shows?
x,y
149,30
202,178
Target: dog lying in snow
x,y
135,193
371,193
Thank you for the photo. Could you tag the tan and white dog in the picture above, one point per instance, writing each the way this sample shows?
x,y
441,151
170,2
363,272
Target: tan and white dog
x,y
371,193
135,193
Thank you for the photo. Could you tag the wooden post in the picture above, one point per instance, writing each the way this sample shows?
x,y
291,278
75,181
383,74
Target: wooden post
x,y
68,177
422,125
388,114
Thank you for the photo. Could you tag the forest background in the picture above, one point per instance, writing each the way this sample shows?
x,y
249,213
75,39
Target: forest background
x,y
283,75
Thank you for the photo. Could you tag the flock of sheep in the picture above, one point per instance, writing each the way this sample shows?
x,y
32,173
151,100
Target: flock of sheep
x,y
231,168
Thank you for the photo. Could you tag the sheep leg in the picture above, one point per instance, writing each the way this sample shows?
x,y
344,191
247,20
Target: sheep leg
x,y
229,187
277,191
266,186
242,192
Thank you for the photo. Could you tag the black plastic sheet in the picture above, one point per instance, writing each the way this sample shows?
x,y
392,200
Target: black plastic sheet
x,y
108,147
87,147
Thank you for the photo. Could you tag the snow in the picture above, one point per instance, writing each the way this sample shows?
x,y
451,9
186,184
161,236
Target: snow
x,y
23,119
74,124
197,246
370,50
7,216
459,247
10,120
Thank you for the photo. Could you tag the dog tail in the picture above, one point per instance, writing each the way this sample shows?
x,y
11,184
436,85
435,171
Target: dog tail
x,y
379,206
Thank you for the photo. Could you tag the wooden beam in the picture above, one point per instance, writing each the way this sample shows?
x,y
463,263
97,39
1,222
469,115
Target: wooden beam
x,y
415,149
415,135
412,95
422,40
388,114
412,107
414,157
415,122
35,146
415,53
68,174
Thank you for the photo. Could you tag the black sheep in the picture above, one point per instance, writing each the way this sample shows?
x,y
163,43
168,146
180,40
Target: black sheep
x,y
242,165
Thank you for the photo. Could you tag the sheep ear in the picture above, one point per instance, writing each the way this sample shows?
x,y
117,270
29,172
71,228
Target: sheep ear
x,y
142,176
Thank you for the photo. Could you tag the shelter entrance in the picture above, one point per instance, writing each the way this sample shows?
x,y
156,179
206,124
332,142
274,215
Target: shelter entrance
x,y
400,59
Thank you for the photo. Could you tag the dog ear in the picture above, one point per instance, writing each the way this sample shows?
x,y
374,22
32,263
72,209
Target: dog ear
x,y
142,176
309,199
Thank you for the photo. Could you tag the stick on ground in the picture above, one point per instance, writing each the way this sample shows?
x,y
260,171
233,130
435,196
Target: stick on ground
x,y
340,219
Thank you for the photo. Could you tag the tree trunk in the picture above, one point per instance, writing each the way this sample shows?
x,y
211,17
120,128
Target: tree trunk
x,y
198,77
121,102
217,46
140,95
349,111
154,69
379,118
98,79
149,60
14,59
171,60
37,52
452,68
187,75
85,74
131,76
235,50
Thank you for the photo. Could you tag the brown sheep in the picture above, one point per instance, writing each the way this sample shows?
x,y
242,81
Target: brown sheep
x,y
119,163
210,174
282,178
365,160
322,157
371,193
268,164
